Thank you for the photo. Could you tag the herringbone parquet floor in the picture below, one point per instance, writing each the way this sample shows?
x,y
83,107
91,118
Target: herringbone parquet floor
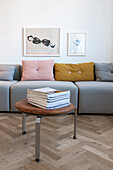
x,y
93,150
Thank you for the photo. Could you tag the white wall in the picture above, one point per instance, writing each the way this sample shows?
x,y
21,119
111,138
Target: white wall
x,y
95,17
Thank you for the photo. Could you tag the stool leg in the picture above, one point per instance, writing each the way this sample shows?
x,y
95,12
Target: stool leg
x,y
37,140
23,123
75,124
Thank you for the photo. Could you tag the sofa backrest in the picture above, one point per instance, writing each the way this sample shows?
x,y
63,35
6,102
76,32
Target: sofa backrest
x,y
17,73
18,70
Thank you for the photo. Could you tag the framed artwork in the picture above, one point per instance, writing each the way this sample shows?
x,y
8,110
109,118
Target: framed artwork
x,y
76,44
41,41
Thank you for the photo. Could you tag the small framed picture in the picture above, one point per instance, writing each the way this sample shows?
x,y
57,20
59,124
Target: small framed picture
x,y
76,44
41,41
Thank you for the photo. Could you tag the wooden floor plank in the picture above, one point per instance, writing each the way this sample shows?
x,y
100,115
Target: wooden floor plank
x,y
93,150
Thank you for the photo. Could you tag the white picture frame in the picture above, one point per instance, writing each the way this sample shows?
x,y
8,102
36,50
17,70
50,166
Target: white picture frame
x,y
76,44
39,41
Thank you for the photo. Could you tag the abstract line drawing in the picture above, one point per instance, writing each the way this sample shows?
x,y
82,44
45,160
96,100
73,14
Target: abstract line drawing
x,y
41,41
36,40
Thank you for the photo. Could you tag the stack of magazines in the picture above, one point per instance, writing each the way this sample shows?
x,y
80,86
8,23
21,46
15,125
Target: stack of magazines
x,y
48,98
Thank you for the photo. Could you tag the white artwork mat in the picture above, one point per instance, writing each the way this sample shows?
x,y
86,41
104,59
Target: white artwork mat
x,y
42,41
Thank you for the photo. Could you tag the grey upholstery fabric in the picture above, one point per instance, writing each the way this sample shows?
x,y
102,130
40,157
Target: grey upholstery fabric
x,y
4,95
95,97
7,73
17,72
19,90
103,71
112,68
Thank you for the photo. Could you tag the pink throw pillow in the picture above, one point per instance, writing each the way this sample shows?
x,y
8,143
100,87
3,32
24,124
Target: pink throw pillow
x,y
37,70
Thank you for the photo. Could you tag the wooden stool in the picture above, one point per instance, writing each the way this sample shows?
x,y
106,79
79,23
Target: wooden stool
x,y
27,108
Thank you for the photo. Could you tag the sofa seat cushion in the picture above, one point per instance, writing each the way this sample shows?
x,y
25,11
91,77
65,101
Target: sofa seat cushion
x,y
4,95
19,90
95,97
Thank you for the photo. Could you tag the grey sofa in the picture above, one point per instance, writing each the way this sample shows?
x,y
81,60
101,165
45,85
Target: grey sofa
x,y
87,96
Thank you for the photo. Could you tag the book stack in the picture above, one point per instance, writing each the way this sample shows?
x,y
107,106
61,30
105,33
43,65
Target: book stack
x,y
48,98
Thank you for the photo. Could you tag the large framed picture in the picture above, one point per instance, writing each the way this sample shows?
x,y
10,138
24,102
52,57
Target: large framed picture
x,y
76,44
41,41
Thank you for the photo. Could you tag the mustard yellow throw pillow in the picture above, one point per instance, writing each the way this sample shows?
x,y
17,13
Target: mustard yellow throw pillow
x,y
74,72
